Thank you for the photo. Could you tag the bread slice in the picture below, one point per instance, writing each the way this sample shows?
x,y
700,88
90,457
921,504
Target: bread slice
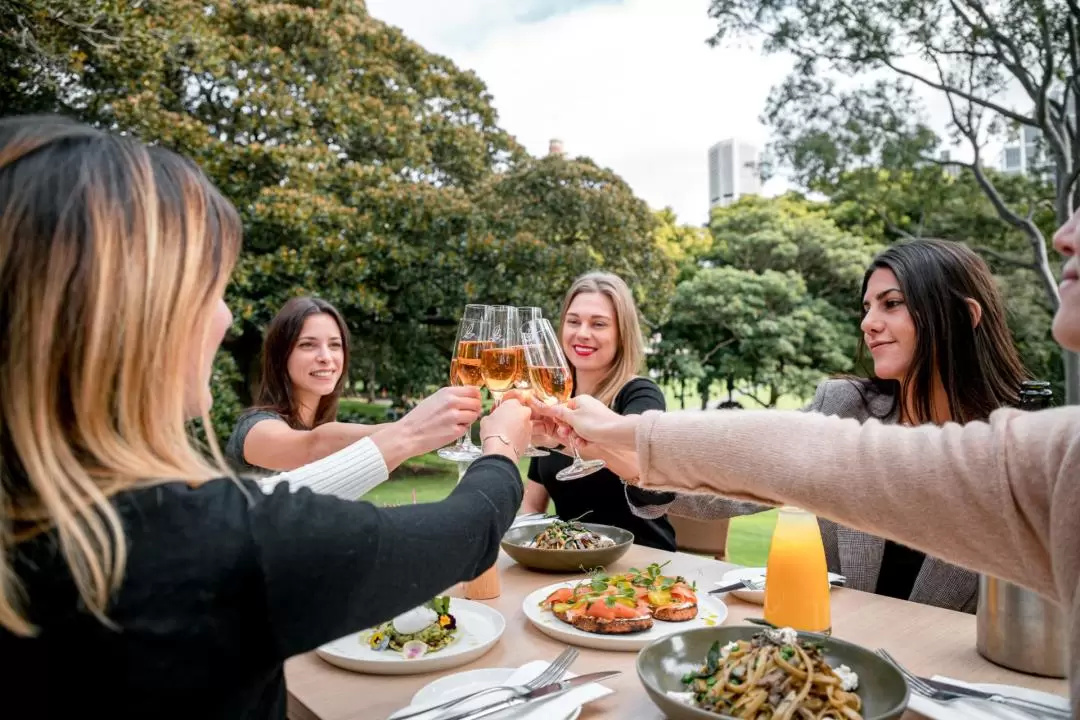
x,y
618,626
603,626
676,612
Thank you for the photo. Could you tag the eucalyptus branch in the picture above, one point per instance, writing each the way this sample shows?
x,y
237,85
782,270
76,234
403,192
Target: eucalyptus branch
x,y
1008,259
1017,66
893,227
1000,109
719,346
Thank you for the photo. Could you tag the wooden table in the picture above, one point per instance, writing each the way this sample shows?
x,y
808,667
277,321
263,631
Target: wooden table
x,y
927,640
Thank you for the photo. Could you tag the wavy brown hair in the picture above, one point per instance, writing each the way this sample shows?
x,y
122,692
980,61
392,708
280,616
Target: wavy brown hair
x,y
978,364
275,389
113,256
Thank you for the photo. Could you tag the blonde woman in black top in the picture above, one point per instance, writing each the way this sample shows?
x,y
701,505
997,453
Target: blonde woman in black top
x,y
601,336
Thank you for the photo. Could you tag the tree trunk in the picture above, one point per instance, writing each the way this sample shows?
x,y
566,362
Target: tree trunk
x,y
704,387
682,393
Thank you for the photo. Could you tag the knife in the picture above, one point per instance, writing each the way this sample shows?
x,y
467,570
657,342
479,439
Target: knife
x,y
840,582
545,692
1007,700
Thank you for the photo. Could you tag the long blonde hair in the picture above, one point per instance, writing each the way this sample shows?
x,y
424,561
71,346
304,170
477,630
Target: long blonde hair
x,y
630,352
113,256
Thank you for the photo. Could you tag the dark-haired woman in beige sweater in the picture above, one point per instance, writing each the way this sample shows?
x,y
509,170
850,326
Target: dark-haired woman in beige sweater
x,y
1000,497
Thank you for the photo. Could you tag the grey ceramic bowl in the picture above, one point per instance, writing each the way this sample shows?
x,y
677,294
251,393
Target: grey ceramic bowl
x,y
565,560
662,664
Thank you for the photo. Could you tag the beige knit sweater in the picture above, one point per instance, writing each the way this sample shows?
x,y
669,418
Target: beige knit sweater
x,y
1000,497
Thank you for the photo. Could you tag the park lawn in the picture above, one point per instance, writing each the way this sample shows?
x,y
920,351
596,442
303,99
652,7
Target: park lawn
x,y
432,479
429,478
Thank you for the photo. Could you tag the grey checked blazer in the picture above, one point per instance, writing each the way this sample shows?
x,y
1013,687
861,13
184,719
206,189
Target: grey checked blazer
x,y
852,553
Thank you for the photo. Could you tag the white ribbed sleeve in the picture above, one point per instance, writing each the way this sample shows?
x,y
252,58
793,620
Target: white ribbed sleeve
x,y
349,473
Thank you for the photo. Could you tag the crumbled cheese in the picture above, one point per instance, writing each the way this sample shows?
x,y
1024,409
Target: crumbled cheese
x,y
728,649
683,697
782,636
849,681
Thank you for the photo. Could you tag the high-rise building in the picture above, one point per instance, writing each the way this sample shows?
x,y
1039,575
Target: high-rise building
x,y
1028,153
734,171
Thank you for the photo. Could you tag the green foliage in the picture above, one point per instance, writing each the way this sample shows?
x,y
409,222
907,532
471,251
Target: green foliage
x,y
368,171
683,244
851,114
773,303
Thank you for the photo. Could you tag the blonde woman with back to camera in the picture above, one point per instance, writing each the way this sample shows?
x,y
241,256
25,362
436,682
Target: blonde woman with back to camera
x,y
1001,497
164,587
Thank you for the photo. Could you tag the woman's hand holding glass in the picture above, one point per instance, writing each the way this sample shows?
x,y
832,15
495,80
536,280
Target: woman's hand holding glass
x,y
552,384
509,422
587,421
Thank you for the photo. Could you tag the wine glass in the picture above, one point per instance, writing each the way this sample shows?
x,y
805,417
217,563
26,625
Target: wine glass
x,y
502,359
553,384
528,317
465,370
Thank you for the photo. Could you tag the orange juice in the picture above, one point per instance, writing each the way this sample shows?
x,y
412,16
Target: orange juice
x,y
797,578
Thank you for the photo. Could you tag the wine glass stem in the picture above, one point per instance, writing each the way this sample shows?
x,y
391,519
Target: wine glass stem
x,y
466,439
577,455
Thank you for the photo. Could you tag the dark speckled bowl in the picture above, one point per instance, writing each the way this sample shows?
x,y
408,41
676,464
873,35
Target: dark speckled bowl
x,y
662,664
565,560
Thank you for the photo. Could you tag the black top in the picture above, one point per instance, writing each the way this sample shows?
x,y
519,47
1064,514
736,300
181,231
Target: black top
x,y
224,583
601,494
900,567
234,448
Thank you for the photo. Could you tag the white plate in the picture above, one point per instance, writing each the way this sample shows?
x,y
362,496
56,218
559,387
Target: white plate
x,y
756,574
958,709
470,681
479,628
711,612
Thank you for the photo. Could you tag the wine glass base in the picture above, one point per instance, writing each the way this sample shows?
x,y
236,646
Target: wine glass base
x,y
580,469
535,452
460,454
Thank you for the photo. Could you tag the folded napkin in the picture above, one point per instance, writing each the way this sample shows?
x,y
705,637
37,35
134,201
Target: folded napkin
x,y
981,709
554,708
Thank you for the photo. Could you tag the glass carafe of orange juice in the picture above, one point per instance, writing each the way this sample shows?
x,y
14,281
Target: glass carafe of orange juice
x,y
797,578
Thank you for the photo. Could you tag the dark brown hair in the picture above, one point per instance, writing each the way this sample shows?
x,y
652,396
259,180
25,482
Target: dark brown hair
x,y
275,389
978,364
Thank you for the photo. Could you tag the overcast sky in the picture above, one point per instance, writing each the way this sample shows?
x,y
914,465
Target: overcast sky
x,y
629,83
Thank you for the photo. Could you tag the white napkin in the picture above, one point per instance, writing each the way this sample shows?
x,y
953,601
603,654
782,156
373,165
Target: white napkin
x,y
980,709
554,708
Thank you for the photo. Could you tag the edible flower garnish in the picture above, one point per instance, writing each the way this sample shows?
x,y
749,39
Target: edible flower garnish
x,y
379,640
414,649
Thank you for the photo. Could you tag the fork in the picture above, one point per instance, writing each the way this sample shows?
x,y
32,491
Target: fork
x,y
921,687
552,673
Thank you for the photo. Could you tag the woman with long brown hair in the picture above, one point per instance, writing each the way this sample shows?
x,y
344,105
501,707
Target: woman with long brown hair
x,y
935,327
178,589
601,337
293,423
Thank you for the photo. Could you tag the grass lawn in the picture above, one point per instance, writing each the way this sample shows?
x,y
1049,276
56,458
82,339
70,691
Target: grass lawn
x,y
432,479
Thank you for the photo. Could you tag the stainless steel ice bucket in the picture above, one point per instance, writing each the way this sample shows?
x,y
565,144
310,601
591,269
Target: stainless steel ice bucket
x,y
1020,629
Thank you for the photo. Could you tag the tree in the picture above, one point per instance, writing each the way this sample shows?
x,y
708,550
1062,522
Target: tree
x,y
967,51
762,328
773,302
684,245
562,217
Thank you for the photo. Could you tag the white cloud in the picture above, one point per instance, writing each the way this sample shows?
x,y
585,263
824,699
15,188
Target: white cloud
x,y
630,84
633,86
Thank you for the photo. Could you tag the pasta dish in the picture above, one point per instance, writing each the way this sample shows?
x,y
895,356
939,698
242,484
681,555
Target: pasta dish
x,y
572,535
773,676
